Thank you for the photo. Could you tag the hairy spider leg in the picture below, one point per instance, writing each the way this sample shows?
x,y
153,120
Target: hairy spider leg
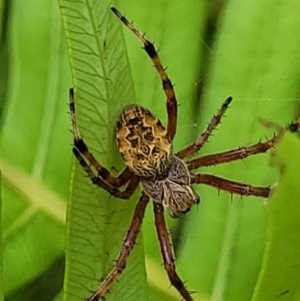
x,y
166,82
167,251
126,194
233,155
230,186
128,245
240,152
81,148
196,146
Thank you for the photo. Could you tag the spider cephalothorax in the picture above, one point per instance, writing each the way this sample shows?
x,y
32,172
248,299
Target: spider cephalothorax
x,y
146,147
172,188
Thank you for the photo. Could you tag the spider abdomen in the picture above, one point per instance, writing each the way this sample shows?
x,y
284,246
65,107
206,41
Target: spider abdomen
x,y
143,142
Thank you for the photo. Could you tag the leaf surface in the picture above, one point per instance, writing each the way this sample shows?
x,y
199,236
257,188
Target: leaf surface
x,y
97,223
33,142
280,272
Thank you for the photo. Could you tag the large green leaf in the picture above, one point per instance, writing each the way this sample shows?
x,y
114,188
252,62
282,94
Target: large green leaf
x,y
97,223
280,271
34,143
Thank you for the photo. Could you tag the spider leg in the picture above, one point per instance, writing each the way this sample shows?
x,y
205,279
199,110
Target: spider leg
x,y
167,251
239,153
166,82
128,245
230,186
126,194
195,147
124,176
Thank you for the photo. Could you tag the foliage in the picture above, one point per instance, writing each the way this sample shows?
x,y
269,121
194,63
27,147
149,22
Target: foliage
x,y
282,253
223,247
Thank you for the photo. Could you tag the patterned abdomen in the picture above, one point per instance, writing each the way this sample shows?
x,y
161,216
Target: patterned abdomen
x,y
143,142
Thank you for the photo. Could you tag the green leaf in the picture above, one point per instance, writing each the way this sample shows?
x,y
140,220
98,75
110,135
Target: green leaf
x,y
280,271
1,249
34,143
255,60
5,9
4,12
97,223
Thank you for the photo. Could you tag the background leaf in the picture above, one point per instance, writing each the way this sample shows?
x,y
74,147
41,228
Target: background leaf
x,y
1,250
281,261
34,144
4,13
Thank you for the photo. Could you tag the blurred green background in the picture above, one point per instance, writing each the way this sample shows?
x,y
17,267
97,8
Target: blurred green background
x,y
213,49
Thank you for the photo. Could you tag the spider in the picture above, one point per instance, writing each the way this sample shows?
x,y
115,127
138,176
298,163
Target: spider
x,y
146,147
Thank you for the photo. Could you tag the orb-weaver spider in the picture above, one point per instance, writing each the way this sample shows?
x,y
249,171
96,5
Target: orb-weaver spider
x,y
146,147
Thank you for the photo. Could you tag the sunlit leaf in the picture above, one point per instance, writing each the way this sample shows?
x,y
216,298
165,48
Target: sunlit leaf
x,y
97,223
